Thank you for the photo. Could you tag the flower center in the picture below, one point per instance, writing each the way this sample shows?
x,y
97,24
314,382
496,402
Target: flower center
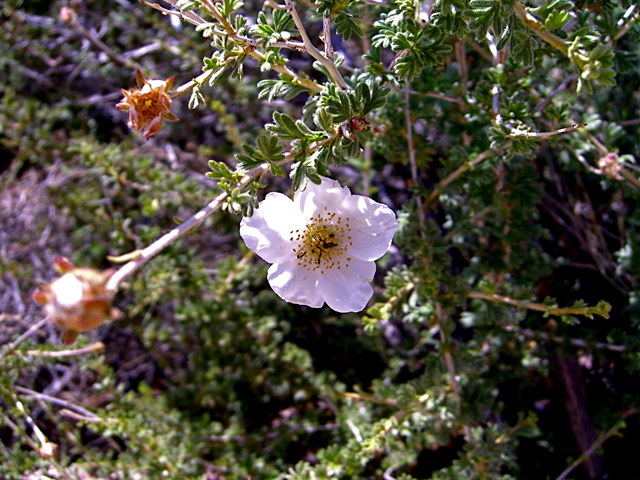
x,y
324,243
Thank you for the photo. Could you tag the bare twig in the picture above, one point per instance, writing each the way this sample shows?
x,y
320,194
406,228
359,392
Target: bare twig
x,y
438,96
448,360
539,307
22,338
630,18
56,401
141,257
312,50
530,21
525,133
326,37
370,398
461,60
574,341
543,104
156,247
412,150
603,438
195,19
96,347
96,42
460,170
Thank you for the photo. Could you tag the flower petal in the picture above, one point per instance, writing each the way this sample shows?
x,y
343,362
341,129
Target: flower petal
x,y
153,127
295,284
268,231
348,289
373,226
315,198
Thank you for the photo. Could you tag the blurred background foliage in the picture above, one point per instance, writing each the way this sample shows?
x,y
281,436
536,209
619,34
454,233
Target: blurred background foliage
x,y
490,352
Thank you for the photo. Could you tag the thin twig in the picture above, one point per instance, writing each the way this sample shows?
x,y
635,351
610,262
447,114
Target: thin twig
x,y
459,171
438,96
326,37
412,151
313,51
530,21
371,398
56,401
23,337
96,42
96,347
543,104
18,431
574,341
625,27
448,360
196,20
539,307
525,133
47,448
146,254
603,438
156,247
461,60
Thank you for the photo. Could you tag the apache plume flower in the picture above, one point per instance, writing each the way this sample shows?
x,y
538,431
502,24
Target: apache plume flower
x,y
77,301
323,244
148,105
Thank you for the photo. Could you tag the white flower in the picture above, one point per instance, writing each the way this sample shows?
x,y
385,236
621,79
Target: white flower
x,y
322,244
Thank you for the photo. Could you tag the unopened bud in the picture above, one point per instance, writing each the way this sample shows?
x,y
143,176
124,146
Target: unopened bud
x,y
77,301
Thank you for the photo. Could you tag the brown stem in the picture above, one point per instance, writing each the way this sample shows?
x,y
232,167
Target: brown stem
x,y
530,21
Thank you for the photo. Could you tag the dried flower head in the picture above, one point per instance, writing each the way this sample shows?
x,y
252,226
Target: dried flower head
x,y
77,301
610,167
148,105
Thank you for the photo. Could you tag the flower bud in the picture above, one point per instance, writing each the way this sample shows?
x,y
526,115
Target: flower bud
x,y
77,301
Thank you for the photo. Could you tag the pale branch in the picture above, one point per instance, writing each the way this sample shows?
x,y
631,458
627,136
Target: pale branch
x,y
213,10
479,50
630,18
156,247
574,341
448,360
459,171
543,104
630,176
100,45
141,257
534,24
437,96
412,149
538,307
463,68
96,347
527,134
18,431
47,448
312,50
196,20
56,401
326,37
23,337
363,397
603,438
